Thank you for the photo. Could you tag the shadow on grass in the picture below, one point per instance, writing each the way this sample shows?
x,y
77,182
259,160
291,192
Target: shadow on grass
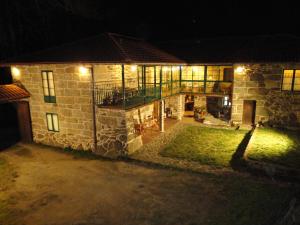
x,y
237,161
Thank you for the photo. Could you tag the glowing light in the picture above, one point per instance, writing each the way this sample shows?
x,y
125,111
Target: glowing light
x,y
175,68
15,72
240,69
195,68
83,70
133,68
166,69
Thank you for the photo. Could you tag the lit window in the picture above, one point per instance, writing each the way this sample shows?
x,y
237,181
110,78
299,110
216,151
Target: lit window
x,y
297,81
226,101
291,80
48,86
287,80
52,122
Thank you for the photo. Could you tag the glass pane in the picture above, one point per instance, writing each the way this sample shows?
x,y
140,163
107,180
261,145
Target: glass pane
x,y
46,91
55,122
297,81
213,73
149,74
198,72
287,80
49,121
51,84
187,73
44,74
52,92
50,76
45,83
166,74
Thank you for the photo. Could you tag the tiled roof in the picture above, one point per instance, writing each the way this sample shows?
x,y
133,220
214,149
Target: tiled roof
x,y
104,48
12,92
263,48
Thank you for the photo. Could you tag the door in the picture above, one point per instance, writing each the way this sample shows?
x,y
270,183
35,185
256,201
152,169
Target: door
x,y
249,112
24,121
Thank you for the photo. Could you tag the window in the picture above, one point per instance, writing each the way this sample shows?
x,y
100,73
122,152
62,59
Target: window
x,y
226,101
52,122
228,74
291,80
48,86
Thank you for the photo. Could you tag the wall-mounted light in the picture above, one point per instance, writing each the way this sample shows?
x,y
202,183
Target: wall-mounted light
x,y
83,70
240,69
15,72
133,68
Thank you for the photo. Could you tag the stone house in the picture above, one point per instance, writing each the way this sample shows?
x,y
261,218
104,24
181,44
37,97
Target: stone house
x,y
99,92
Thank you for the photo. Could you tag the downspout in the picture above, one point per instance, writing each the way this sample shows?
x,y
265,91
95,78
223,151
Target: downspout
x,y
94,109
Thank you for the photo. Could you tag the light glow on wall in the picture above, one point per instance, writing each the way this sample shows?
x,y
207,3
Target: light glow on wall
x,y
175,68
133,68
240,69
83,71
15,72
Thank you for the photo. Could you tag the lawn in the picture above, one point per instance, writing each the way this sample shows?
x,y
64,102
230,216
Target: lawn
x,y
276,146
209,146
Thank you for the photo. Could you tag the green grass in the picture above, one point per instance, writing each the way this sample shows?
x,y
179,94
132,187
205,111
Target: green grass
x,y
209,146
276,146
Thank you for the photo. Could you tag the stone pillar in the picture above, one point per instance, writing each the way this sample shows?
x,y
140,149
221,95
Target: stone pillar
x,y
200,101
161,116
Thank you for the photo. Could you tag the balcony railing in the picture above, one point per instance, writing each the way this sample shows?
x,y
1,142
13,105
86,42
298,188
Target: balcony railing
x,y
110,94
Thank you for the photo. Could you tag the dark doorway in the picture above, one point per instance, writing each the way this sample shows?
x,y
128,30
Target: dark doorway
x,y
9,126
5,75
249,109
189,105
24,120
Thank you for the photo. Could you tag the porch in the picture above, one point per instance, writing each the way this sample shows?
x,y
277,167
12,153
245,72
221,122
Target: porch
x,y
130,86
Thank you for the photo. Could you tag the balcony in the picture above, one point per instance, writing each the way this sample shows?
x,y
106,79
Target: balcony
x,y
111,94
206,87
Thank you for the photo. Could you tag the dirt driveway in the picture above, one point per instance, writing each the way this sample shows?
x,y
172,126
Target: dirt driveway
x,y
51,187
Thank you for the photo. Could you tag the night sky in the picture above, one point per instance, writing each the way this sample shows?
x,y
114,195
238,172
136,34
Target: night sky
x,y
31,25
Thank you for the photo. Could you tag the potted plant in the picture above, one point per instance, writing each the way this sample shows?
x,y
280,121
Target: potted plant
x,y
199,113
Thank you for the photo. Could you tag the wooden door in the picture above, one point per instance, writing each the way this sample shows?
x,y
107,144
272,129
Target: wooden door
x,y
24,121
249,112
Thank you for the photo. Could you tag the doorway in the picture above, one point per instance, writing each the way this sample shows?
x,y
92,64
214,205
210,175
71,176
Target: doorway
x,y
249,109
189,106
15,124
24,121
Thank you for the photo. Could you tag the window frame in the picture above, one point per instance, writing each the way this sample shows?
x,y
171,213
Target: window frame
x,y
48,98
293,80
52,121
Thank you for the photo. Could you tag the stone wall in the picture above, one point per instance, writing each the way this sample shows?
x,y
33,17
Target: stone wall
x,y
176,103
111,132
200,101
134,116
73,105
262,83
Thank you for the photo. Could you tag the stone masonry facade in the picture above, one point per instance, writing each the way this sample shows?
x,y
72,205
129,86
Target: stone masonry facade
x,y
73,105
116,134
262,83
